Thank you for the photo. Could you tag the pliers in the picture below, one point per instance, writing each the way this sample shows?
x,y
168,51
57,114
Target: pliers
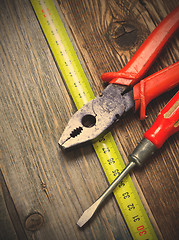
x,y
124,92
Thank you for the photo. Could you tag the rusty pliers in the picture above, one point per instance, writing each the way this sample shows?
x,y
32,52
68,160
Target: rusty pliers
x,y
95,117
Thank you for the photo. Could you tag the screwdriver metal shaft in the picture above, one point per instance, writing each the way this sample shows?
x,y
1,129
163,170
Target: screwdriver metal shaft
x,y
142,152
91,210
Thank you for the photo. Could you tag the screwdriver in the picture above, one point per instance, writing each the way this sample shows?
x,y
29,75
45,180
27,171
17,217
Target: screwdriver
x,y
166,124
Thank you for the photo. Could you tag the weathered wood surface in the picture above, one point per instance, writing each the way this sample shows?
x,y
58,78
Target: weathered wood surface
x,y
36,176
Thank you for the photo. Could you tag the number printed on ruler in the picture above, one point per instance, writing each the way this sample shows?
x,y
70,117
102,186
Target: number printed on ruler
x,y
66,57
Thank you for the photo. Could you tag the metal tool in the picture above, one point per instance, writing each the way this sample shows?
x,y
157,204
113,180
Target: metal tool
x,y
95,117
166,124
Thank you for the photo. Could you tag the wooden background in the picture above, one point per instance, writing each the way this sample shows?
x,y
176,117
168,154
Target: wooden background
x,y
44,190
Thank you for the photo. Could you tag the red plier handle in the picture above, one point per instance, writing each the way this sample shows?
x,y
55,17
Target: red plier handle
x,y
166,124
139,64
135,69
155,85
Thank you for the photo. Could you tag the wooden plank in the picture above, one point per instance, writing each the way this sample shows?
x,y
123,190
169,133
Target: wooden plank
x,y
49,188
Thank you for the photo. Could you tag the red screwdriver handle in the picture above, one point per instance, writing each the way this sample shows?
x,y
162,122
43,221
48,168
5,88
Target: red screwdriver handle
x,y
154,85
139,64
166,124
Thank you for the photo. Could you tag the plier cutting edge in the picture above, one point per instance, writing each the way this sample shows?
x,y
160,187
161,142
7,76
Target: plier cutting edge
x,y
124,92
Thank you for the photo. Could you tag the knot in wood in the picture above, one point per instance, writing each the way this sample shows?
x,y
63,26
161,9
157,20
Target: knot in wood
x,y
123,33
34,222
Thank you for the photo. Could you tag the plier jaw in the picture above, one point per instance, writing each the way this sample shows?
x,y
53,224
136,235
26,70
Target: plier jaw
x,y
95,117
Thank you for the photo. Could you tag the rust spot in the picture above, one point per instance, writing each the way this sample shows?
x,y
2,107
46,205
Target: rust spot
x,y
34,222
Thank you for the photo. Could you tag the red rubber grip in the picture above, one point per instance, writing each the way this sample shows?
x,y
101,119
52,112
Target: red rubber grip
x,y
154,85
166,124
139,64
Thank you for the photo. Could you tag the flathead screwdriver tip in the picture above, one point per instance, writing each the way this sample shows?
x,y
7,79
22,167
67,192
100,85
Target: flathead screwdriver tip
x,y
88,213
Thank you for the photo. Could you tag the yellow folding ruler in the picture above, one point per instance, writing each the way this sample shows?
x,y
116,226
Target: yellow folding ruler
x,y
112,163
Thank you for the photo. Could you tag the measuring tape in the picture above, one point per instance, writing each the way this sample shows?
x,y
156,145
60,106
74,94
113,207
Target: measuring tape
x,y
111,161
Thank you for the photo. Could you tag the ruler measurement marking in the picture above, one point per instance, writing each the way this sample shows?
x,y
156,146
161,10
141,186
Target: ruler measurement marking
x,y
106,149
64,57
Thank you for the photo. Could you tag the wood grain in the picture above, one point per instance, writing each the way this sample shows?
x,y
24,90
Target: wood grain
x,y
36,106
